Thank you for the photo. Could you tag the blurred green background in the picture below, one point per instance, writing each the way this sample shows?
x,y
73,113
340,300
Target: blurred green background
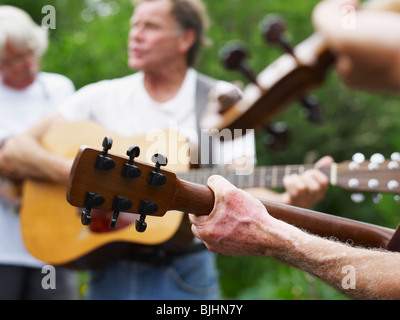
x,y
89,44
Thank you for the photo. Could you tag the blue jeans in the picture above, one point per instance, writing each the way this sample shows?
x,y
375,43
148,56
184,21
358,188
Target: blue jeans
x,y
189,277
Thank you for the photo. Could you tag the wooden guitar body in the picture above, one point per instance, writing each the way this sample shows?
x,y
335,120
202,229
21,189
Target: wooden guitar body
x,y
51,227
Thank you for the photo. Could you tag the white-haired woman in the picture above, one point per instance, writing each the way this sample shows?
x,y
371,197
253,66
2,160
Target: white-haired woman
x,y
26,95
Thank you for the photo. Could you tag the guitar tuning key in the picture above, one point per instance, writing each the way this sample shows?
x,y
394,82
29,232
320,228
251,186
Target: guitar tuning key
x,y
273,29
92,200
395,156
358,158
129,170
394,164
357,197
234,57
376,198
86,217
311,109
146,207
277,137
377,158
140,224
119,204
103,162
155,177
375,161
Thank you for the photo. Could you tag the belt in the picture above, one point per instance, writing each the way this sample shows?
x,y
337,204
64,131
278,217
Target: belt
x,y
159,256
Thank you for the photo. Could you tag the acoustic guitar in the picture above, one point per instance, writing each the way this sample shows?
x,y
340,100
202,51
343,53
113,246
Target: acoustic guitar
x,y
152,191
301,69
52,228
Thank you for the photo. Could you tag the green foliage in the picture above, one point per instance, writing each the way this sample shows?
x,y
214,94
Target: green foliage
x,y
95,49
264,278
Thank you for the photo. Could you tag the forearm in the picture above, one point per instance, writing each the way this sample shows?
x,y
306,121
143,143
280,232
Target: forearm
x,y
27,157
239,225
358,273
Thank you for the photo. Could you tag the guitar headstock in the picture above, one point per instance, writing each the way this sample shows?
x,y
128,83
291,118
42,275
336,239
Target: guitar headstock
x,y
100,180
287,79
375,175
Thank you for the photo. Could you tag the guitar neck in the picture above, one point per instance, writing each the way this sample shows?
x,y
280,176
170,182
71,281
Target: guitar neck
x,y
261,177
90,187
199,200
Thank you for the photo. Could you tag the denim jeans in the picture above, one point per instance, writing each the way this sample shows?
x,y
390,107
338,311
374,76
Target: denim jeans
x,y
189,277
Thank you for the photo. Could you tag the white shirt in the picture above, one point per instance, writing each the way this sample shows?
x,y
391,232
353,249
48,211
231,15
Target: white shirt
x,y
19,109
124,107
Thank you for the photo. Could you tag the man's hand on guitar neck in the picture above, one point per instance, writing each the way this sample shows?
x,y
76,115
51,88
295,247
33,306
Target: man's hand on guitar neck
x,y
303,190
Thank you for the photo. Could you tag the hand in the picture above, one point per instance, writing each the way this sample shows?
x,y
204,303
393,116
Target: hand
x,y
6,170
364,42
307,189
239,224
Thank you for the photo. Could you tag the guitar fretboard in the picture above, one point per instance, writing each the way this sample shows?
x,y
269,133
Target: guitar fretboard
x,y
261,177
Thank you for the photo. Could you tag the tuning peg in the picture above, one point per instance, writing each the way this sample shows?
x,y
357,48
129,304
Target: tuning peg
x,y
376,198
103,162
377,158
393,185
140,224
160,160
156,178
234,57
92,200
273,29
129,170
357,197
311,109
395,156
358,158
146,207
394,164
119,204
375,161
277,137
